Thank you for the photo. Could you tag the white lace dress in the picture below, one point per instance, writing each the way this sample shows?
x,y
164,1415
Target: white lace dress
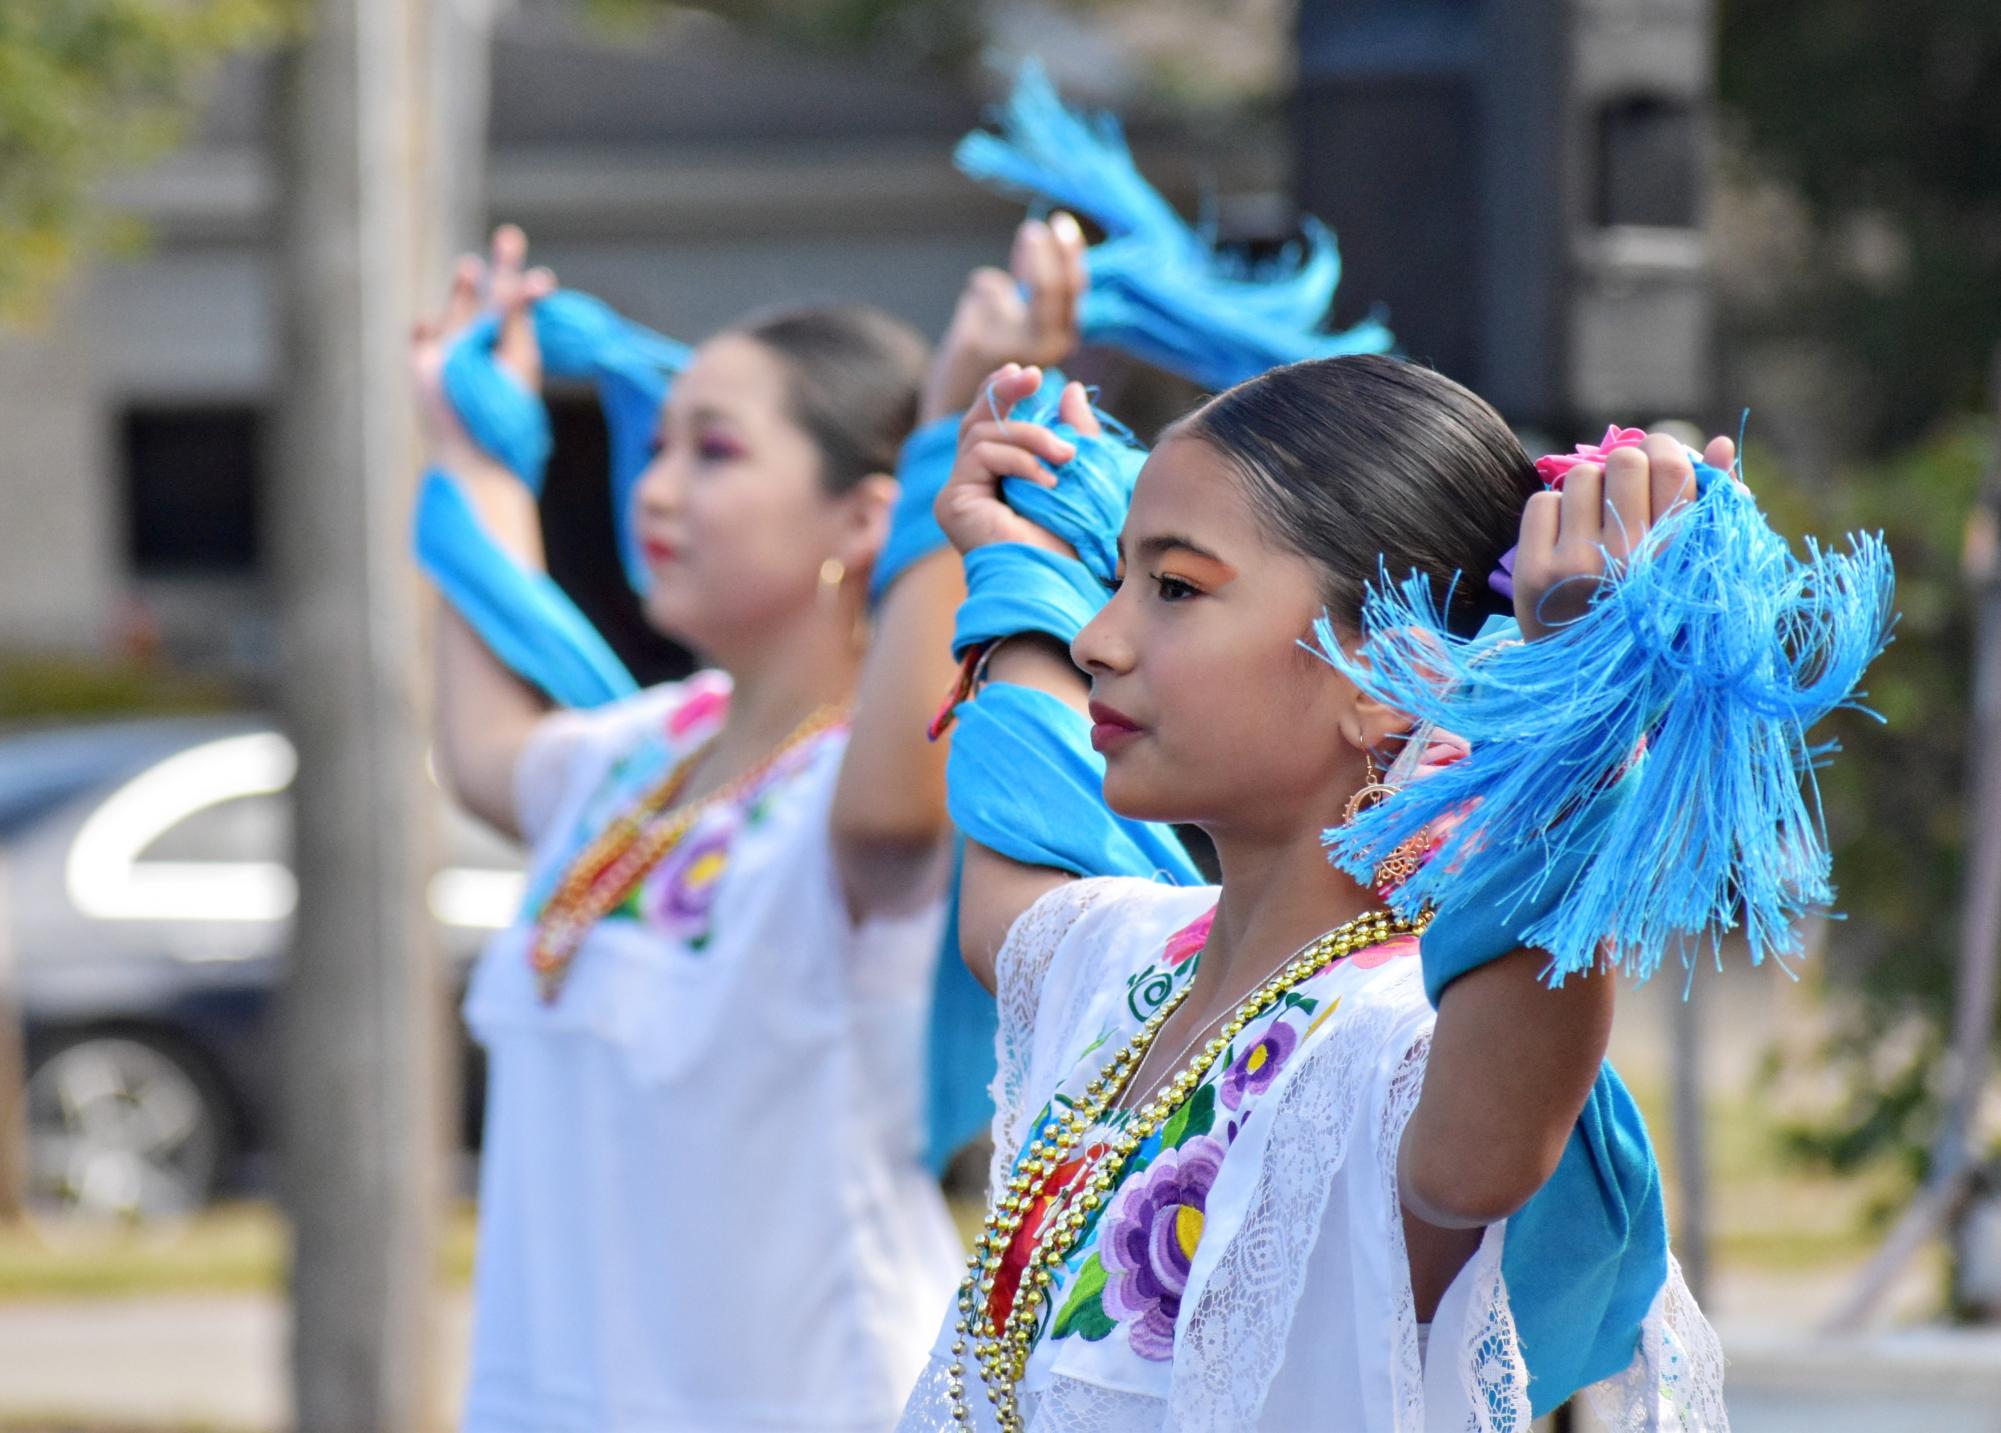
x,y
1275,1295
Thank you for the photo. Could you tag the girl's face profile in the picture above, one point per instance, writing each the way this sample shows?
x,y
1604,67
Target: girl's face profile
x,y
1205,705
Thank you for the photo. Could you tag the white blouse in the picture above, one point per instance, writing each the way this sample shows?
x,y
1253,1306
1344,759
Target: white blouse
x,y
1296,1311
702,1202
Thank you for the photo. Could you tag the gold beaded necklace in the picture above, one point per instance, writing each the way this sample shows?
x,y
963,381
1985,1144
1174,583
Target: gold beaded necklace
x,y
618,858
1002,1350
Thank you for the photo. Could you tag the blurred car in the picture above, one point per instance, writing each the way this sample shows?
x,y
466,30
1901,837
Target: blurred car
x,y
147,905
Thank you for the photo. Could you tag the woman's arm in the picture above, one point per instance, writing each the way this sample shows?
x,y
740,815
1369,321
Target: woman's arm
x,y
889,807
994,890
1513,1061
482,713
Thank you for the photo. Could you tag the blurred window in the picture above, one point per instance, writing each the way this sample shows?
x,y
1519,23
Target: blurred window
x,y
242,828
191,489
1648,163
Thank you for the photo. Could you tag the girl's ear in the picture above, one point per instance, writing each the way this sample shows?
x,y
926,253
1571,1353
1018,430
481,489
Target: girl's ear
x,y
864,519
1376,722
1367,722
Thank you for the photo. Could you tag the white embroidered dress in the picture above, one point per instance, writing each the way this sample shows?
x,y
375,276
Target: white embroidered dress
x,y
702,1202
1293,1308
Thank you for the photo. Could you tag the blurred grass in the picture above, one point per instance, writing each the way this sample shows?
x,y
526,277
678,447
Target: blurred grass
x,y
1770,1215
38,685
1769,1212
232,1249
64,1423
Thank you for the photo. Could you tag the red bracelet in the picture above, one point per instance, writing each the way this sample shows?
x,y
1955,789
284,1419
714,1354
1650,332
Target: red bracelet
x,y
962,689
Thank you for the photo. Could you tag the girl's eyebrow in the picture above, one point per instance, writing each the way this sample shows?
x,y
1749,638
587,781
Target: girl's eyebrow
x,y
1165,542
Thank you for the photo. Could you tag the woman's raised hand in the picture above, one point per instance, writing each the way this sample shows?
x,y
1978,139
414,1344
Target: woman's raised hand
x,y
1026,314
1604,512
506,287
992,447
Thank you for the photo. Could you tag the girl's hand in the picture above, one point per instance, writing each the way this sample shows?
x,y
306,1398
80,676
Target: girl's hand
x,y
1570,538
1026,315
970,507
509,288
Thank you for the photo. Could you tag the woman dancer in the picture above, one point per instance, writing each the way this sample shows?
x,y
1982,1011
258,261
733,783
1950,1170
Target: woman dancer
x,y
1246,1175
702,1204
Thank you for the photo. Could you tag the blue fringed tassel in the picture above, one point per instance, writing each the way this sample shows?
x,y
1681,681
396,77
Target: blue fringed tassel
x,y
1160,289
1088,506
1697,671
1080,162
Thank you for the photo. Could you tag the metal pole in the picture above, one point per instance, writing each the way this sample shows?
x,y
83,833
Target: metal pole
x,y
13,1076
363,1005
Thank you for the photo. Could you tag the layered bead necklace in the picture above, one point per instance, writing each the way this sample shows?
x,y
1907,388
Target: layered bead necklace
x,y
1002,1350
605,872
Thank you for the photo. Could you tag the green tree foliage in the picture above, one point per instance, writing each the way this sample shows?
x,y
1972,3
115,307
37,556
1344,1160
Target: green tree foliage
x,y
1895,801
922,31
88,87
1884,117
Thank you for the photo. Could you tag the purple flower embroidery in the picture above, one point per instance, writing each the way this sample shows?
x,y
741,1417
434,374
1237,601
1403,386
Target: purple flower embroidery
x,y
1258,1066
683,888
1150,1232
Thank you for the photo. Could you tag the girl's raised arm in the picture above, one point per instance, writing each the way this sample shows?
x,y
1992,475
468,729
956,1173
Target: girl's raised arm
x,y
1512,1062
994,890
889,809
483,713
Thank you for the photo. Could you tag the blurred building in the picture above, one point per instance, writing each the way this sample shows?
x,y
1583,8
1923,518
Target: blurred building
x,y
1526,188
686,177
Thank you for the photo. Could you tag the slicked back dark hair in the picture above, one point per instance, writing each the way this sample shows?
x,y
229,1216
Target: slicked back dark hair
x,y
1365,463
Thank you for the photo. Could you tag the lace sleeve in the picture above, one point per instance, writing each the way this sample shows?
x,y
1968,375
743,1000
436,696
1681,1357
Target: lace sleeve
x,y
1021,970
1675,1380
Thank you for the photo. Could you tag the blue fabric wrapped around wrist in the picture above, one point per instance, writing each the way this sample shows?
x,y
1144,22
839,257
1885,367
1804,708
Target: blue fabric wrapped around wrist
x,y
1486,920
526,620
1013,588
1024,782
580,337
1087,506
922,468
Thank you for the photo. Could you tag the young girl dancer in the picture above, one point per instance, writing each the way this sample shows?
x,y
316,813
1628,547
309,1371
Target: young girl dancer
x,y
701,1202
1246,1175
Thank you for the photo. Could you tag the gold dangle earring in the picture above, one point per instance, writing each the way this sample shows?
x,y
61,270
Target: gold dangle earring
x,y
1369,792
1402,863
833,572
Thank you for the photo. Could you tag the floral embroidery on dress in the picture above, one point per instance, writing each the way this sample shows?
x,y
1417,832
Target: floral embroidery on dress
x,y
678,896
1148,1242
1258,1066
1129,1268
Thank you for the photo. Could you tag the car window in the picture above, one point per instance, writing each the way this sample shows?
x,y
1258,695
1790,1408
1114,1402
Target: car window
x,y
242,828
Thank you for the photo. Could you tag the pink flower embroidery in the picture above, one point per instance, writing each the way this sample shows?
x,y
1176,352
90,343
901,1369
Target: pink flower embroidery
x,y
707,703
1395,948
1190,938
1556,466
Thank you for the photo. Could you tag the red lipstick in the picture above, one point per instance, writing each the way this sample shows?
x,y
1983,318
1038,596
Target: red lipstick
x,y
1111,728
